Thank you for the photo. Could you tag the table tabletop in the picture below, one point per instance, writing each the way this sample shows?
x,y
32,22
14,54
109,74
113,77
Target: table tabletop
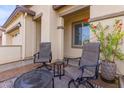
x,y
34,78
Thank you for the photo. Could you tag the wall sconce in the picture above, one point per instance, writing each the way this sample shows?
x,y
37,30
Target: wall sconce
x,y
19,24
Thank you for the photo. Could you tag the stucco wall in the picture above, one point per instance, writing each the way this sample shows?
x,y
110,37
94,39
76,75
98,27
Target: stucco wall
x,y
68,20
54,34
100,10
7,39
48,26
49,30
6,36
26,36
45,27
15,38
30,41
38,34
10,54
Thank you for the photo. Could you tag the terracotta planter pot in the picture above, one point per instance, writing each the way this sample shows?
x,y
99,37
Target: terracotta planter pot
x,y
108,70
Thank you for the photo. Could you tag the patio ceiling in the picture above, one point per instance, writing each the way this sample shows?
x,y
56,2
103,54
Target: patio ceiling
x,y
2,29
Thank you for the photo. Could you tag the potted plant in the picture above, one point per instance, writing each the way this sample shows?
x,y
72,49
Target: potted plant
x,y
110,47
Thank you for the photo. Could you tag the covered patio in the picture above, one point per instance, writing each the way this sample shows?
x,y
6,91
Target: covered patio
x,y
7,78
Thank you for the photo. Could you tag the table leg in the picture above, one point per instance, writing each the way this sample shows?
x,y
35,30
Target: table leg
x,y
58,69
63,70
54,69
53,82
67,60
60,72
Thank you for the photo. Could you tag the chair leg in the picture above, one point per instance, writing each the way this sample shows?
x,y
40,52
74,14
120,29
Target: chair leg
x,y
76,85
53,82
90,84
70,83
74,82
46,66
84,82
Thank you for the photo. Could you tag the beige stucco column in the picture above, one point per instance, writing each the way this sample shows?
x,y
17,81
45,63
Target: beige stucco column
x,y
45,28
60,28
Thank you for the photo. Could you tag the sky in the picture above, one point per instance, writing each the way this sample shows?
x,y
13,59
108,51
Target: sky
x,y
5,11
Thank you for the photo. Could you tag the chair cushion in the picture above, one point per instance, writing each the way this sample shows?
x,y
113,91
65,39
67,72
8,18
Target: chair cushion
x,y
42,60
75,72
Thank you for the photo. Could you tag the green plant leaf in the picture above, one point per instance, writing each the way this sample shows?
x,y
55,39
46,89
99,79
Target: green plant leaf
x,y
109,42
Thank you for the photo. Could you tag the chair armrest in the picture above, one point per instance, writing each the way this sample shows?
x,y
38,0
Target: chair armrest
x,y
77,58
36,56
87,66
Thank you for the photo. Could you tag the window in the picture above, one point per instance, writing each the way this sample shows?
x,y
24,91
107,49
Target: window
x,y
81,34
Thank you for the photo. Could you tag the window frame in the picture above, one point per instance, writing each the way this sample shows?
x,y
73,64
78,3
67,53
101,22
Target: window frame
x,y
73,34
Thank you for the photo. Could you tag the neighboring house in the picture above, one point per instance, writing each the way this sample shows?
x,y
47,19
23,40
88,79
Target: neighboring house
x,y
61,25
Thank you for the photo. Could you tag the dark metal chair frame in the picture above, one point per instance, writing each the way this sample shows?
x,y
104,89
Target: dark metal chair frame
x,y
84,80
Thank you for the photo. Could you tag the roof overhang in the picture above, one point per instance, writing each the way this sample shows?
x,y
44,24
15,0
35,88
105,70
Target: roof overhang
x,y
27,6
17,26
2,29
17,10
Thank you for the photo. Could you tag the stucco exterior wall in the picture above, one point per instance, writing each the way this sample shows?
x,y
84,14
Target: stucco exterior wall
x,y
101,10
68,20
7,39
54,34
7,36
49,30
48,26
45,27
10,54
25,38
15,38
30,36
38,34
